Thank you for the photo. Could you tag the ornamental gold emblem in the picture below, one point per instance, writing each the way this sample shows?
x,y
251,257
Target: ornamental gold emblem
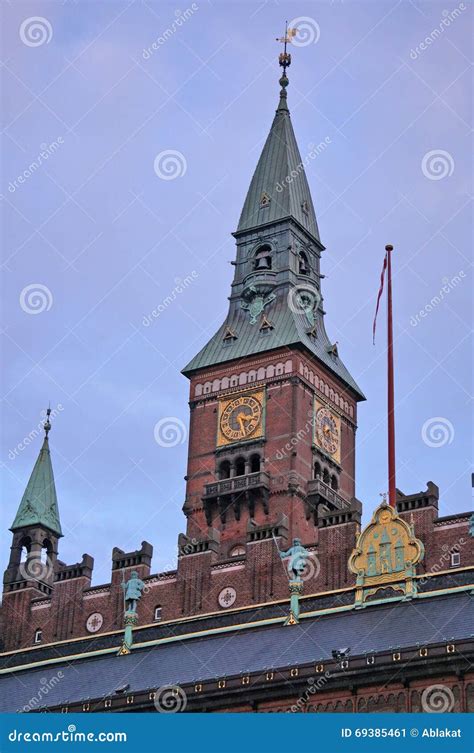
x,y
240,418
328,431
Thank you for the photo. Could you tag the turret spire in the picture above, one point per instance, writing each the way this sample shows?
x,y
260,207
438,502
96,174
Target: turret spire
x,y
39,504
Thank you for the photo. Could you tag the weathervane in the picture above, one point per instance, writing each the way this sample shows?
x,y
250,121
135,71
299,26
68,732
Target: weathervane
x,y
285,58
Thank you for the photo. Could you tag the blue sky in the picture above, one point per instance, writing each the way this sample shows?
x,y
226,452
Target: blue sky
x,y
94,239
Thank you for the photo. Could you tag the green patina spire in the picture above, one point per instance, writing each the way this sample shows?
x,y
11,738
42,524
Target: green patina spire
x,y
280,174
39,504
276,299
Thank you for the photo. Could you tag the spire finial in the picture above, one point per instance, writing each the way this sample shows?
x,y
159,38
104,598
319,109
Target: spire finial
x,y
285,58
47,423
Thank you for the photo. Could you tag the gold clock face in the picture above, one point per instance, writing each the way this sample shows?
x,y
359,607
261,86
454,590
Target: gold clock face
x,y
327,431
240,418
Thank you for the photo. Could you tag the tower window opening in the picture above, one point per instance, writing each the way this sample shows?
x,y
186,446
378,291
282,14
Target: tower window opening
x,y
334,483
303,264
263,258
224,470
326,477
317,470
255,464
455,559
25,549
240,467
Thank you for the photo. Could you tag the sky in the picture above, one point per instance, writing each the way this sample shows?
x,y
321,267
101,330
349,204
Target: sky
x,y
152,117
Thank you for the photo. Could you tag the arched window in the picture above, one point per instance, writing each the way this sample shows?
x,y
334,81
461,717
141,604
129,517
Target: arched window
x,y
334,484
224,470
25,548
240,467
303,264
326,477
263,258
157,614
237,551
317,470
38,636
255,464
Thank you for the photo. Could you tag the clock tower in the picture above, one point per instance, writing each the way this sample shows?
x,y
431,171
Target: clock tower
x,y
273,407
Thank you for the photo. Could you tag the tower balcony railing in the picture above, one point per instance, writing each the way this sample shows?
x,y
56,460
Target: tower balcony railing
x,y
321,493
237,484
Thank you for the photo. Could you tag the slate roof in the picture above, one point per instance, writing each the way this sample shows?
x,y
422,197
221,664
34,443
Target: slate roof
x,y
39,504
375,628
290,328
279,160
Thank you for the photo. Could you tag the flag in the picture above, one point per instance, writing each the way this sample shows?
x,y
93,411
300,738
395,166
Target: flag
x,y
382,278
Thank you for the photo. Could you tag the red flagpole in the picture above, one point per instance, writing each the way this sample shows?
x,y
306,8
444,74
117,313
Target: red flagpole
x,y
392,494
